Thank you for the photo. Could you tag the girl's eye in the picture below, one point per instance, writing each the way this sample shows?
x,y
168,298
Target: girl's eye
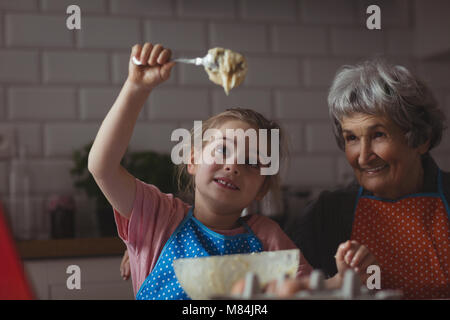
x,y
222,150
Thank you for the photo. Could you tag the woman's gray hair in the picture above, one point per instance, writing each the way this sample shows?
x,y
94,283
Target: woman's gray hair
x,y
378,88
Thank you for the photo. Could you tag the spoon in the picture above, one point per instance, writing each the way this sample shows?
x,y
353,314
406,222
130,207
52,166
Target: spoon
x,y
207,61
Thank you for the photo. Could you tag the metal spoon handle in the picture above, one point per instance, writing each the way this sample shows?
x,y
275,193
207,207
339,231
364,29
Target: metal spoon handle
x,y
196,61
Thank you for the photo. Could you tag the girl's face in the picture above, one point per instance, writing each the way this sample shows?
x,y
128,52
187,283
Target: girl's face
x,y
382,161
226,186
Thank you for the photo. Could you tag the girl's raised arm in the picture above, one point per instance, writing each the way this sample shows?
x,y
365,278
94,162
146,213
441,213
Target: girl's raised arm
x,y
116,130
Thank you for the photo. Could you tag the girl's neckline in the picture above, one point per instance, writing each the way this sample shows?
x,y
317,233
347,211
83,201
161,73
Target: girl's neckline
x,y
240,229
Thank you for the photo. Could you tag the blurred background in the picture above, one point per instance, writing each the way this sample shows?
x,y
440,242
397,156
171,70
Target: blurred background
x,y
56,86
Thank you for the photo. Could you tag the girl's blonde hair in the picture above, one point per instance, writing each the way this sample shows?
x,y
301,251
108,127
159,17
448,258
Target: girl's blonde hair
x,y
186,182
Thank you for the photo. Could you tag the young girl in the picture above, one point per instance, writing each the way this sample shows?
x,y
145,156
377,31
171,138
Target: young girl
x,y
158,228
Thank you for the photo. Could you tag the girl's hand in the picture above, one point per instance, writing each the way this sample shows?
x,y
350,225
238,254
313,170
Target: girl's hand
x,y
125,266
353,255
155,67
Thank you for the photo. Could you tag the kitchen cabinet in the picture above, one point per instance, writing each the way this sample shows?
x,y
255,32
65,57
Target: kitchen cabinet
x,y
99,279
46,264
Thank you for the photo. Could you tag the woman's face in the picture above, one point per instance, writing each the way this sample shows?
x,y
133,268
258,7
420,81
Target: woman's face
x,y
383,163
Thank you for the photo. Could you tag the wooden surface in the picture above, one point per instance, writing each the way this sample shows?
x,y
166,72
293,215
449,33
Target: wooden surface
x,y
76,247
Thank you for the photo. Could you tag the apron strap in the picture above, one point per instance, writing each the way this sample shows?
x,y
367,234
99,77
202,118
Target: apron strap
x,y
243,223
190,213
441,193
250,231
246,226
360,191
439,181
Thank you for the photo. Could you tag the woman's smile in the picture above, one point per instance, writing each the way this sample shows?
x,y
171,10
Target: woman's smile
x,y
375,170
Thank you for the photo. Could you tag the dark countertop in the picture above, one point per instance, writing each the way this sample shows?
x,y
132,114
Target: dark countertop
x,y
74,247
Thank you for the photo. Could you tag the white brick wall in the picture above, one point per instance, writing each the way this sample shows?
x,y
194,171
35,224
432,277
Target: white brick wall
x,y
178,104
192,75
122,33
78,67
177,35
257,99
300,40
399,41
27,134
344,171
96,102
56,85
436,73
61,138
444,146
443,162
153,136
319,72
25,5
142,8
236,36
310,171
268,10
302,104
206,9
94,6
320,138
32,30
350,41
42,103
1,30
447,105
328,11
51,175
120,67
2,104
273,72
3,177
293,135
18,66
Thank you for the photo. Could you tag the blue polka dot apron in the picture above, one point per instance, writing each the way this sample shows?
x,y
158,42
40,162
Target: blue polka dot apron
x,y
191,239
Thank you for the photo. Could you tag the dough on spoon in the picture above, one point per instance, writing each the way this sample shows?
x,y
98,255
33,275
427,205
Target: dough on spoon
x,y
232,68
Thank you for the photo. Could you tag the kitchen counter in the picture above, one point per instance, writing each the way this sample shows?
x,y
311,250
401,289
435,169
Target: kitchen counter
x,y
74,247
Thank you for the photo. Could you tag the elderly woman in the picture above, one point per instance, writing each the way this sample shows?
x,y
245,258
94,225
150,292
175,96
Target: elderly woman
x,y
386,121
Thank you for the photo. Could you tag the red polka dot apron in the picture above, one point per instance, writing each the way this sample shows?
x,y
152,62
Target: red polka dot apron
x,y
410,237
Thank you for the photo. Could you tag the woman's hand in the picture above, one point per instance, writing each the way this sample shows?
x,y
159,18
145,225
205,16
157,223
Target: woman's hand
x,y
125,266
155,68
353,255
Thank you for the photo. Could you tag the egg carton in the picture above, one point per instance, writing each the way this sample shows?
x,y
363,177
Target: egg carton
x,y
351,289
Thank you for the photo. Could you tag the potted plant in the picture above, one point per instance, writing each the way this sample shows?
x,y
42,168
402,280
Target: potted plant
x,y
148,166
